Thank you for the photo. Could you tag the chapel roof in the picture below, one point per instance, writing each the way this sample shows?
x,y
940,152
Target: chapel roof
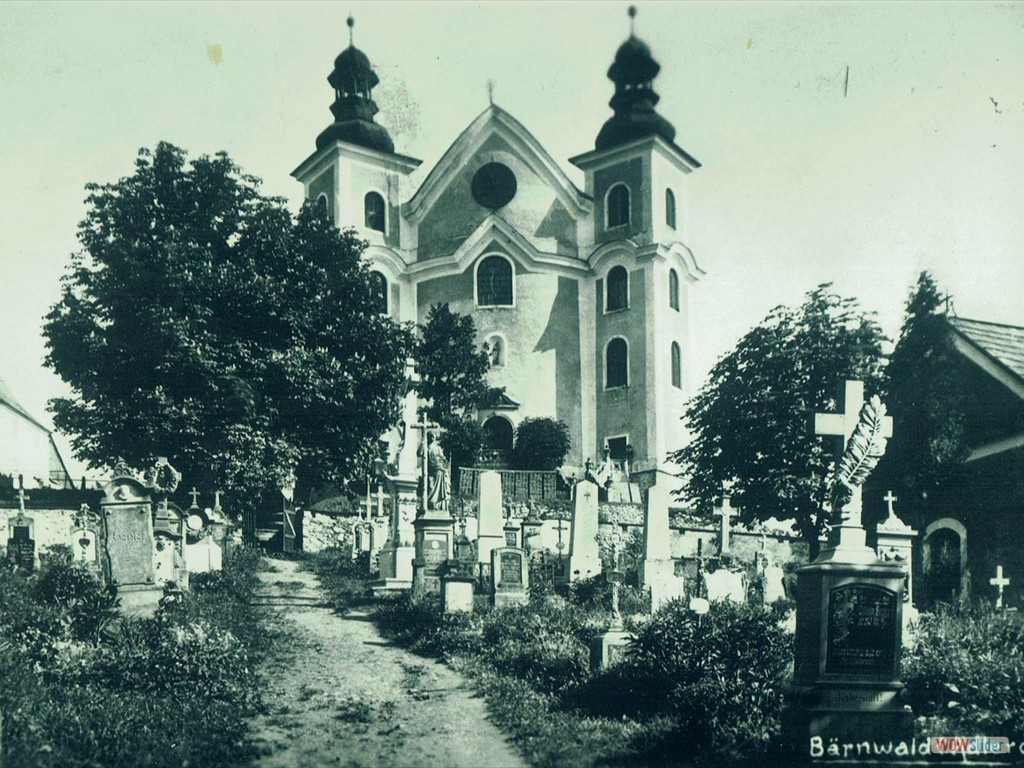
x,y
1002,344
7,398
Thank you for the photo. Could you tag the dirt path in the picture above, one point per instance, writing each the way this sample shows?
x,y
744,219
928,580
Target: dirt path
x,y
343,696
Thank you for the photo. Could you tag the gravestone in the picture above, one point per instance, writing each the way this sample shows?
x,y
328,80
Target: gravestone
x,y
894,542
510,569
168,537
84,545
127,518
846,679
584,555
21,548
724,584
203,555
489,517
657,569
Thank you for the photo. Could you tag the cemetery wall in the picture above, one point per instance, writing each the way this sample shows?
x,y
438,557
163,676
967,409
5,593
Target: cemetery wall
x,y
52,513
323,530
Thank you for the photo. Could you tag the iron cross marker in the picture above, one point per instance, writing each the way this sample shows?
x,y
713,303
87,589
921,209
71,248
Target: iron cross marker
x,y
842,425
999,582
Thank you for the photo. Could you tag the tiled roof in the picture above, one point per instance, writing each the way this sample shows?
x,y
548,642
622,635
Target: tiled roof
x,y
1002,343
7,398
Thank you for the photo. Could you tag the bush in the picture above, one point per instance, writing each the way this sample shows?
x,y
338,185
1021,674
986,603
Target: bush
x,y
342,577
965,670
83,603
541,444
719,677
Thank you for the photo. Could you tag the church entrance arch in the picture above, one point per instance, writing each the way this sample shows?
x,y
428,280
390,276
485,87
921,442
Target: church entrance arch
x,y
498,437
945,562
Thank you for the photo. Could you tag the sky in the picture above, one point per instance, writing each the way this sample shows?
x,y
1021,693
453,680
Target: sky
x,y
914,161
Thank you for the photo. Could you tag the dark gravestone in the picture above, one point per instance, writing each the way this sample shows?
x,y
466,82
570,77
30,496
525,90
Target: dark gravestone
x,y
511,568
861,618
435,551
130,545
21,549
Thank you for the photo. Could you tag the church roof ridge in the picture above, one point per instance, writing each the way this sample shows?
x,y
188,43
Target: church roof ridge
x,y
7,398
1003,344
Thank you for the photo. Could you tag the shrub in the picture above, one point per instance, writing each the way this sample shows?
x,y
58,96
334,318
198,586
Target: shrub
x,y
83,603
965,670
541,444
342,577
719,677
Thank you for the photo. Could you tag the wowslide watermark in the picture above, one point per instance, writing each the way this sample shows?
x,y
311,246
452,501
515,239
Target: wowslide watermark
x,y
935,745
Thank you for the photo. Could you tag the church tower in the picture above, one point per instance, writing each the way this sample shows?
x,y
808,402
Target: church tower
x,y
357,176
637,177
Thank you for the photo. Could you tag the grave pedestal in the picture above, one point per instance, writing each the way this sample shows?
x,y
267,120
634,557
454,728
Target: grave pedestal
x,y
398,552
434,548
510,569
609,648
457,594
846,682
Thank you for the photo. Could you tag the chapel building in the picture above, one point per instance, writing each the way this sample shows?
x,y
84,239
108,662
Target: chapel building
x,y
580,295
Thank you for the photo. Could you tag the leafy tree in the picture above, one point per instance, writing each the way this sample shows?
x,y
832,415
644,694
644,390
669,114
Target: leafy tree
x,y
203,322
927,395
541,443
752,420
453,380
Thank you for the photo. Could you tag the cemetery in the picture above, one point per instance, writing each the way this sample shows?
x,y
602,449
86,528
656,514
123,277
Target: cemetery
x,y
418,471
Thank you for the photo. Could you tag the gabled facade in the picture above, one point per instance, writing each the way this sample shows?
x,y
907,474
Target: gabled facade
x,y
27,448
581,296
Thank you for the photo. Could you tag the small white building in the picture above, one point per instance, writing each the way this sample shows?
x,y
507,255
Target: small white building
x,y
27,447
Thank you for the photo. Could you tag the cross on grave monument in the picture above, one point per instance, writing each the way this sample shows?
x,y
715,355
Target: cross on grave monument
x,y
433,537
848,534
726,512
195,496
999,582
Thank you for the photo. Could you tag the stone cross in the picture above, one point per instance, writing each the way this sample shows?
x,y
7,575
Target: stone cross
x,y
890,498
426,427
195,496
999,582
725,511
843,424
22,498
216,499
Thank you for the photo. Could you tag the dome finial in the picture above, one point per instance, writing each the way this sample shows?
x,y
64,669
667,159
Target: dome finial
x,y
632,19
351,23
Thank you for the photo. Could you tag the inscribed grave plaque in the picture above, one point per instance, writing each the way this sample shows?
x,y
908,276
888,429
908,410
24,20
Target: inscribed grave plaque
x,y
21,549
130,544
861,637
435,550
511,569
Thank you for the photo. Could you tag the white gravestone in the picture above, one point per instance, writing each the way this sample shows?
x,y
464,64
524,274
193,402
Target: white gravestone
x,y
657,569
491,520
725,585
584,556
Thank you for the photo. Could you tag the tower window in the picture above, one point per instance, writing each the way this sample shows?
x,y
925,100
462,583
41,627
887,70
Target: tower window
x,y
494,278
670,208
677,366
616,289
616,363
617,214
379,285
373,209
323,206
673,289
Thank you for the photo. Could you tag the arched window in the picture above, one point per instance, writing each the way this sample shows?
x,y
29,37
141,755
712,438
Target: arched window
x,y
494,278
373,210
677,366
616,363
380,291
670,208
496,350
673,289
617,213
616,289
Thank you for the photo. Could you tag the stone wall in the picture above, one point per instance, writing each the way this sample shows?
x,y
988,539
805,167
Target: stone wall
x,y
323,530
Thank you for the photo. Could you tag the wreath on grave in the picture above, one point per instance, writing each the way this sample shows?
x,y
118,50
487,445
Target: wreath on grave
x,y
162,477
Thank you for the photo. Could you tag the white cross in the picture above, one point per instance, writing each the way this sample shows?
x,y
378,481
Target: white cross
x,y
726,512
890,498
195,496
999,581
843,424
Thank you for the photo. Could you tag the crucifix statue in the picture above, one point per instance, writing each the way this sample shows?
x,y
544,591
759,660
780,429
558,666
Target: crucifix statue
x,y
434,467
999,582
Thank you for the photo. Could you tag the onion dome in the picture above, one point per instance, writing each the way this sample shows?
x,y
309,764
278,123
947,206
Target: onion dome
x,y
633,72
353,80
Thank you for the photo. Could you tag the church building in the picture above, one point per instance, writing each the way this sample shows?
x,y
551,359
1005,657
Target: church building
x,y
581,296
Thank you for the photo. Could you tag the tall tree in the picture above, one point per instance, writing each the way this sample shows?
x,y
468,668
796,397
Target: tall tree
x,y
202,321
926,392
752,421
452,372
